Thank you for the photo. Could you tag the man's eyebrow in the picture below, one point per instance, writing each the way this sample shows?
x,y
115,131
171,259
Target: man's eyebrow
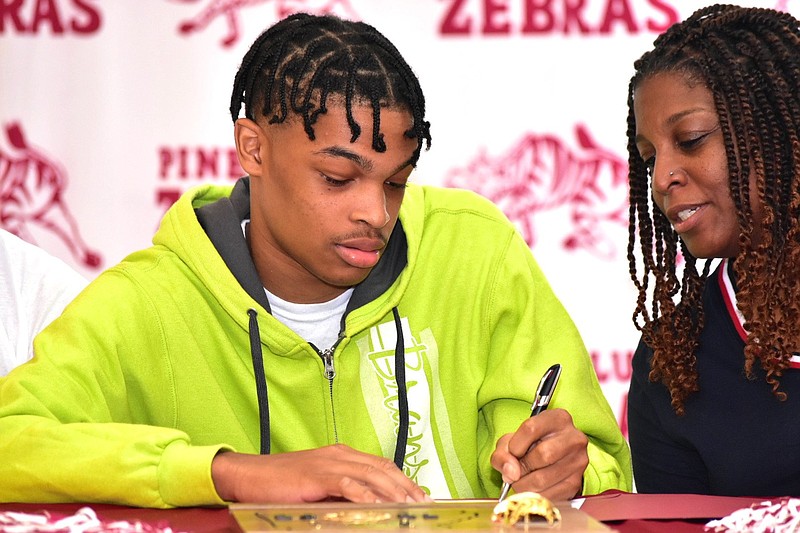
x,y
338,151
363,162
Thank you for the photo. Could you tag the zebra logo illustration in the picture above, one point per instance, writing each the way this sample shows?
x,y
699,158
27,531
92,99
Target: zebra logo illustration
x,y
541,172
228,10
32,189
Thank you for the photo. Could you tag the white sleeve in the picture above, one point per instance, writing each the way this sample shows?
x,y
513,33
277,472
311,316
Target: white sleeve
x,y
34,288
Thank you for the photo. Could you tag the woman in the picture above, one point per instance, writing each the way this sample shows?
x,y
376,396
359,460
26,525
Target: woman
x,y
714,142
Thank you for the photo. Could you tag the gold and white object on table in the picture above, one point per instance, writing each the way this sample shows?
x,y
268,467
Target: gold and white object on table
x,y
524,509
446,516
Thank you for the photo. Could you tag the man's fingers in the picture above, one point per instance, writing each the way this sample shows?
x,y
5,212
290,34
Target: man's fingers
x,y
501,455
546,454
388,482
336,471
504,461
554,467
379,476
554,449
537,428
352,490
557,479
563,489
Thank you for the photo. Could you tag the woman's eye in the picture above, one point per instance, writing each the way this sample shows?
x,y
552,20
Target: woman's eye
x,y
650,164
688,144
693,140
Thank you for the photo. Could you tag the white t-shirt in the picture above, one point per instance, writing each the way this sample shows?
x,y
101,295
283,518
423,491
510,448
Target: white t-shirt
x,y
34,288
318,324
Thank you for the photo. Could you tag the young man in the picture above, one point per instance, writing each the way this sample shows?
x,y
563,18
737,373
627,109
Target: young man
x,y
34,288
322,330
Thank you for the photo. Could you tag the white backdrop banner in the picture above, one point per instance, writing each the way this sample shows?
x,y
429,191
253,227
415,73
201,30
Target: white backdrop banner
x,y
110,109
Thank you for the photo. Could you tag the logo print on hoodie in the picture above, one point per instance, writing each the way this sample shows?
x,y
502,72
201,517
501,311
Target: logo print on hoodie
x,y
421,462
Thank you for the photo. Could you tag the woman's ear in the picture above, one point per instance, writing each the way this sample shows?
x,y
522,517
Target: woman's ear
x,y
250,142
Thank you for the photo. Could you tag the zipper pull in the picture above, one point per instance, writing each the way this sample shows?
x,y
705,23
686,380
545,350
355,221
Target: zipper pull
x,y
327,358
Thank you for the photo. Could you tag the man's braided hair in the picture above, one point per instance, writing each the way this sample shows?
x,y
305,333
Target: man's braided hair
x,y
304,62
749,58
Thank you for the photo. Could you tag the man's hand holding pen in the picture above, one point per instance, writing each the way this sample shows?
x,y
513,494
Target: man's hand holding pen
x,y
547,454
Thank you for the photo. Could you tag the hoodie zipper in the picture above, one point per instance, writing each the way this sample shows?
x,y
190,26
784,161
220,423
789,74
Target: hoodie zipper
x,y
330,373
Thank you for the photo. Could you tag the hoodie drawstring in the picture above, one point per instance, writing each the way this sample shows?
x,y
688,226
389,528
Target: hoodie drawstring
x,y
261,380
399,375
402,393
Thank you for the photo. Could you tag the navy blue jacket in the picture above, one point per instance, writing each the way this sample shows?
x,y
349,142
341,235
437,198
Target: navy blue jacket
x,y
736,437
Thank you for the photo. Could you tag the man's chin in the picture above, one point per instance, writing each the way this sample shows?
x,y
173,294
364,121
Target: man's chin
x,y
349,280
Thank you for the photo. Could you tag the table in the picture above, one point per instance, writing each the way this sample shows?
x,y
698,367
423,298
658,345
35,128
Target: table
x,y
621,511
192,519
657,513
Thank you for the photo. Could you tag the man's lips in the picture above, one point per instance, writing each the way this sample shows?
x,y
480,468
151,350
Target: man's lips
x,y
362,252
365,244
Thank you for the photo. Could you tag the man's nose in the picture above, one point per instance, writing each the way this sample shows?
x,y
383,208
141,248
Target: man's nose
x,y
371,207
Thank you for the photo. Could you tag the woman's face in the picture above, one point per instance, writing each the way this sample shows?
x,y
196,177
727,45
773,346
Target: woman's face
x,y
678,135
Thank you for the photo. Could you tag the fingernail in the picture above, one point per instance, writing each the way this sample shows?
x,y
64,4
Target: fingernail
x,y
409,499
429,499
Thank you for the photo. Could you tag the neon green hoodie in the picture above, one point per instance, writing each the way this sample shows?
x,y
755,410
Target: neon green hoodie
x,y
149,372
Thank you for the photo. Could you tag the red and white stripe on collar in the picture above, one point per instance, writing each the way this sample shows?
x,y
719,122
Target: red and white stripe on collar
x,y
729,296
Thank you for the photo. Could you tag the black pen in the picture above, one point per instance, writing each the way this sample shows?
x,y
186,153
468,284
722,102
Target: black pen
x,y
544,392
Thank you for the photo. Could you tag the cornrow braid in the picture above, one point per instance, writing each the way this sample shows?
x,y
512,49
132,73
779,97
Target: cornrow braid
x,y
297,65
749,59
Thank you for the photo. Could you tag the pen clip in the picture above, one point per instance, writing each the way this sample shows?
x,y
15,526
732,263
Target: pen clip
x,y
546,387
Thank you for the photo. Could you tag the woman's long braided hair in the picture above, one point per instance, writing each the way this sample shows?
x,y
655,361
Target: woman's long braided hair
x,y
303,62
749,58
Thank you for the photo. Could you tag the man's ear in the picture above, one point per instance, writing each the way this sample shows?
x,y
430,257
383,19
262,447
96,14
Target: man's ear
x,y
250,144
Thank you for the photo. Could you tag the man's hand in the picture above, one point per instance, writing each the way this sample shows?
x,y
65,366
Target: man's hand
x,y
547,454
332,472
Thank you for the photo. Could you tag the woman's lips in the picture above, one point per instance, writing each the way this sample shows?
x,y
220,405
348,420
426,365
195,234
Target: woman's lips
x,y
686,213
685,217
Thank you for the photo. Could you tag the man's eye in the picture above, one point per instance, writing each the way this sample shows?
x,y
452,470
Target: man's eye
x,y
396,185
333,182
